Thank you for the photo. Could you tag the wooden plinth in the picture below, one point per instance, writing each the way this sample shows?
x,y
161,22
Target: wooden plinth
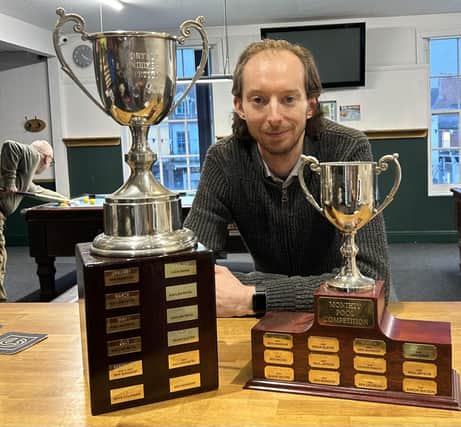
x,y
351,347
148,327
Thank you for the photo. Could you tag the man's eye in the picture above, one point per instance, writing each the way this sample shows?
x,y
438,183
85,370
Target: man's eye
x,y
290,99
257,100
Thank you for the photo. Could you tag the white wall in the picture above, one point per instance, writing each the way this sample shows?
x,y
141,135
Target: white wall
x,y
395,95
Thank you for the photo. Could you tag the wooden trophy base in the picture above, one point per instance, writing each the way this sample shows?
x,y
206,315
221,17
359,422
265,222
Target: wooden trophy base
x,y
148,327
351,347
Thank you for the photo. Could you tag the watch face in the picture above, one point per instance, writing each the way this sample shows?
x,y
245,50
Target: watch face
x,y
83,55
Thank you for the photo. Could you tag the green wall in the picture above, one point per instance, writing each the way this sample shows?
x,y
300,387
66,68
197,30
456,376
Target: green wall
x,y
94,169
413,216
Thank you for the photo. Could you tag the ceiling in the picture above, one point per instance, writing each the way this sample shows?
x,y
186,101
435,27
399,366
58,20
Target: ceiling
x,y
156,15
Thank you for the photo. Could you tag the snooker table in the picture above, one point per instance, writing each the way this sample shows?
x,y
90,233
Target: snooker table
x,y
54,231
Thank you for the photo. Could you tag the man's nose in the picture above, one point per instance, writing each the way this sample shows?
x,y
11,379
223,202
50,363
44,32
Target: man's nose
x,y
274,116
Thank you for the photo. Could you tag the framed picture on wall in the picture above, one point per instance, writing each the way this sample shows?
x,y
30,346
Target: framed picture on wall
x,y
329,109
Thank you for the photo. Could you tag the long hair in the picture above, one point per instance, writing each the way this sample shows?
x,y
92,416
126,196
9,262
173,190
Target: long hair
x,y
312,83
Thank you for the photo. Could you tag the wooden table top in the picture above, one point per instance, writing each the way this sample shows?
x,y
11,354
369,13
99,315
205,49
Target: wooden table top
x,y
45,386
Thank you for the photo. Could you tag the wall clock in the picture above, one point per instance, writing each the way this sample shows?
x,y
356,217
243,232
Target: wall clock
x,y
82,55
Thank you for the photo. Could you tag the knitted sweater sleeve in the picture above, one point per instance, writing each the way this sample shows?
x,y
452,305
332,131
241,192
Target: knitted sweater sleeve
x,y
295,293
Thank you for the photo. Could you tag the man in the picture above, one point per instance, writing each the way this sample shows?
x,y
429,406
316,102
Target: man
x,y
18,165
250,179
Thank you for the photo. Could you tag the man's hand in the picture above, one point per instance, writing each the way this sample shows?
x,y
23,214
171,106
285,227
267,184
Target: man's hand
x,y
232,297
10,189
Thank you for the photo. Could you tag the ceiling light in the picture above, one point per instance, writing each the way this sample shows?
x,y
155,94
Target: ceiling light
x,y
115,4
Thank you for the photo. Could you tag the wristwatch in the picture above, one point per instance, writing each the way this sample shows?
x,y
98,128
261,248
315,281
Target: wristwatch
x,y
259,302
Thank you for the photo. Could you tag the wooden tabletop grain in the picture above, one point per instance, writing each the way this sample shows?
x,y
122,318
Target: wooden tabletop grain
x,y
45,384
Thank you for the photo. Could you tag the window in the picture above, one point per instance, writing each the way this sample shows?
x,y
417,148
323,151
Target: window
x,y
445,101
182,139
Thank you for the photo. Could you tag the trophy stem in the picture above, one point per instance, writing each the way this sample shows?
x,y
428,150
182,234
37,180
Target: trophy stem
x,y
349,278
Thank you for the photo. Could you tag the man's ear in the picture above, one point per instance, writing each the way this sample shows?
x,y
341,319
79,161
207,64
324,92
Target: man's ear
x,y
238,107
312,107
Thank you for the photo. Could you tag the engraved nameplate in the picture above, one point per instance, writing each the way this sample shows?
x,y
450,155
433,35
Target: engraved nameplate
x,y
347,312
121,276
279,357
323,361
123,346
278,340
419,351
373,382
126,322
182,268
122,299
177,292
126,394
328,344
370,364
182,336
279,373
317,376
187,358
419,369
365,346
118,371
144,65
185,382
182,314
413,385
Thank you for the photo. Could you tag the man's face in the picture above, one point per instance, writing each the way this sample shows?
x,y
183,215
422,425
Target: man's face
x,y
274,103
44,163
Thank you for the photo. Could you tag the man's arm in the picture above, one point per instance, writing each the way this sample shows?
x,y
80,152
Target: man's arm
x,y
37,189
11,155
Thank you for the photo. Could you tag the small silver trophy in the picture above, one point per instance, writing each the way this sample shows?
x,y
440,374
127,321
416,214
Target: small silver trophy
x,y
348,201
136,80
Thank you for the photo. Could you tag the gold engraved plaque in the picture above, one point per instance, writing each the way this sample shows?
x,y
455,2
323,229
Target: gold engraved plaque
x,y
327,344
278,340
347,312
122,299
121,276
413,385
123,346
419,351
185,382
323,361
373,382
125,394
182,268
182,314
419,369
317,376
279,357
126,322
187,358
279,373
118,371
185,291
365,346
370,364
182,336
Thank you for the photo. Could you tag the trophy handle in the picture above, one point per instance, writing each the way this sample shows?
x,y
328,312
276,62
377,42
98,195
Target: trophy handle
x,y
79,27
382,166
315,167
185,33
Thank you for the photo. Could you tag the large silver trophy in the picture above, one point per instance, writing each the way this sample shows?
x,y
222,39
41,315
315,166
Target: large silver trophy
x,y
348,201
136,79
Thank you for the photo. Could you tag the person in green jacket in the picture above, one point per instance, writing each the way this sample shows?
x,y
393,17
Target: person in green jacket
x,y
18,165
250,179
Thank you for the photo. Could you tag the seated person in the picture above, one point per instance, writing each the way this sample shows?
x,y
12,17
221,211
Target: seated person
x,y
250,178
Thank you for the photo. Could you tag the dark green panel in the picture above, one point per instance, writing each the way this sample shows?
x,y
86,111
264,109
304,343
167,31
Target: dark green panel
x,y
413,216
94,169
16,227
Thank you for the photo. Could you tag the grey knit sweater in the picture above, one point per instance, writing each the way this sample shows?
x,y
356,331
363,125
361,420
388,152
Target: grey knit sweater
x,y
294,247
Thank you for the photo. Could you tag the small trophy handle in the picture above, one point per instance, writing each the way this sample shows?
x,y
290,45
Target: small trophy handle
x,y
185,28
79,27
382,166
315,167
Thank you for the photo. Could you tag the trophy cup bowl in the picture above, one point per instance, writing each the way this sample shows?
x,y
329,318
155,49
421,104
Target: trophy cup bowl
x,y
135,76
348,201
